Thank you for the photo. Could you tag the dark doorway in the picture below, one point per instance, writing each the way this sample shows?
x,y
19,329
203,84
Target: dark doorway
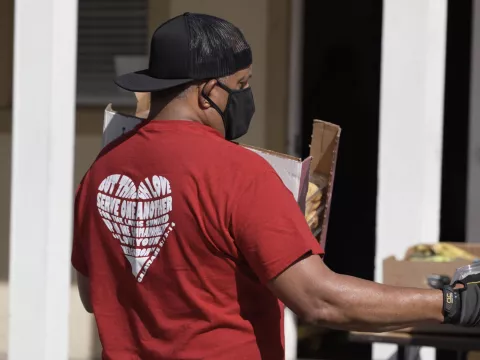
x,y
341,84
456,127
456,121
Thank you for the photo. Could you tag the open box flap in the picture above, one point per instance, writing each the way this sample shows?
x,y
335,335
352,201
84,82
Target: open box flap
x,y
116,124
324,149
324,146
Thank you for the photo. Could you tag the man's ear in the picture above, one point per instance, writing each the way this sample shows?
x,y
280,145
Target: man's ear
x,y
205,89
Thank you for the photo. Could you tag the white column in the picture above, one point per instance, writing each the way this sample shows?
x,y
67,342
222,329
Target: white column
x,y
42,178
293,132
473,194
411,127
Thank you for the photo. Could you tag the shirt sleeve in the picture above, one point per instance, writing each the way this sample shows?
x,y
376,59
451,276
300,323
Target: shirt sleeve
x,y
269,228
79,261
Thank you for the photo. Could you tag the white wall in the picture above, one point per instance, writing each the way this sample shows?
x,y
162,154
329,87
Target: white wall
x,y
411,128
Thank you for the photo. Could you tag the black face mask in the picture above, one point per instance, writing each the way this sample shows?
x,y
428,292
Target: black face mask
x,y
238,112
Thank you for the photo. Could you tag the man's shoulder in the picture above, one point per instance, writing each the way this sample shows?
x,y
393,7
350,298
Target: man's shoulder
x,y
201,153
239,157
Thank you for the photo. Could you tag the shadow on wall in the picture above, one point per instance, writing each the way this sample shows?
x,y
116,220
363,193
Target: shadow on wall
x,y
5,172
87,147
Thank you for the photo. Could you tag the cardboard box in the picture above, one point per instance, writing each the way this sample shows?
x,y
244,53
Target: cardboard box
x,y
324,150
414,274
474,355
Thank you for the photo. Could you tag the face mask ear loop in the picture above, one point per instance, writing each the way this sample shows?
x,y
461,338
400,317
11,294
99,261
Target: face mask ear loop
x,y
210,101
224,87
215,106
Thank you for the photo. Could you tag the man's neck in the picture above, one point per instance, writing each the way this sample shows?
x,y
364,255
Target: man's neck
x,y
172,111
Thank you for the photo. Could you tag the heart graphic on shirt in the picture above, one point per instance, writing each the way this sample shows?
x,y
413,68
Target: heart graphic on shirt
x,y
138,218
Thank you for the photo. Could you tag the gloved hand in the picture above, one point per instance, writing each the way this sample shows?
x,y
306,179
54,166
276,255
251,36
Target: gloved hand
x,y
461,302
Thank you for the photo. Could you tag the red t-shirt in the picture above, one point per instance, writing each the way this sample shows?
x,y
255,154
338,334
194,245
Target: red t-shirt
x,y
178,231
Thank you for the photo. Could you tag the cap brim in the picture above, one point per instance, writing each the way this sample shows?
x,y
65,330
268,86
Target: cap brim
x,y
140,81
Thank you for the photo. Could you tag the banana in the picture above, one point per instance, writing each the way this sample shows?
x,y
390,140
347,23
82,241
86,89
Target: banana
x,y
453,251
440,252
314,194
435,258
314,199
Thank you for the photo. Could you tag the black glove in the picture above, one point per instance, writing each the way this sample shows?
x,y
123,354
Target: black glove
x,y
462,306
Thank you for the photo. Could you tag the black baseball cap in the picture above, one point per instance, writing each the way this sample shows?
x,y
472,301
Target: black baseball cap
x,y
187,48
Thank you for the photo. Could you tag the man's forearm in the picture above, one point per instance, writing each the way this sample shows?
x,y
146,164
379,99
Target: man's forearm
x,y
356,304
319,295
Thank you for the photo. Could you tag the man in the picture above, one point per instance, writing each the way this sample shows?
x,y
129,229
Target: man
x,y
185,242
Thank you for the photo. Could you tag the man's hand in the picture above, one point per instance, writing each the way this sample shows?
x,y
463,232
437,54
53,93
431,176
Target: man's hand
x,y
461,302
